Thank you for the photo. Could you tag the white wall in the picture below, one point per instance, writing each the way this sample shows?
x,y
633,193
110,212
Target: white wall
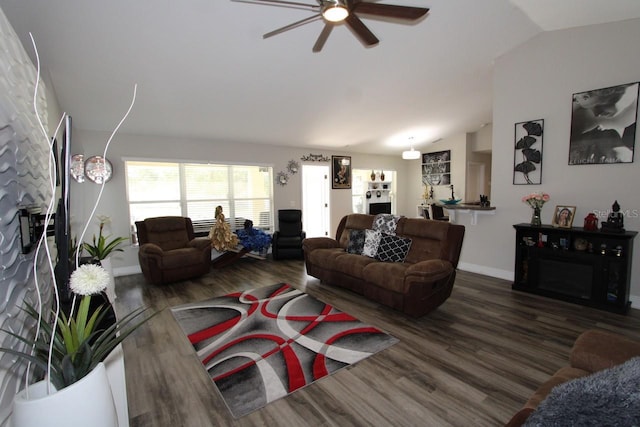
x,y
124,146
537,80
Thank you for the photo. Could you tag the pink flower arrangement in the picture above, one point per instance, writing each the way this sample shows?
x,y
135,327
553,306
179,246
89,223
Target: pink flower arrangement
x,y
536,199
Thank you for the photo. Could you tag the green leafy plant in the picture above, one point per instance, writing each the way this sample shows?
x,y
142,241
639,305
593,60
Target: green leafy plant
x,y
101,247
78,343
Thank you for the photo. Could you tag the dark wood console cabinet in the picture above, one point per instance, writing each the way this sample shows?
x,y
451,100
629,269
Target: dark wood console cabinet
x,y
591,268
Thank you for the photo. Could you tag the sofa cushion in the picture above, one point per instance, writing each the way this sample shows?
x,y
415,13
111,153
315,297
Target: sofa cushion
x,y
356,242
387,275
179,258
429,239
393,248
371,243
595,350
352,264
354,222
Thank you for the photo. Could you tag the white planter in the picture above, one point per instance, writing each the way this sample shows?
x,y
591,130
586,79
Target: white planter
x,y
111,287
88,402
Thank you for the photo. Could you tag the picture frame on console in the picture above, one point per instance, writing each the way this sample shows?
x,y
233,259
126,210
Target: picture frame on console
x,y
341,172
563,216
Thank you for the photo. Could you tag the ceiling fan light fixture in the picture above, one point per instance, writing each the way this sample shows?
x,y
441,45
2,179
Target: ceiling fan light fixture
x,y
335,11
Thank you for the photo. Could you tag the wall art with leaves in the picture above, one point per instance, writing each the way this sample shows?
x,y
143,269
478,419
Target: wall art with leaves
x,y
527,154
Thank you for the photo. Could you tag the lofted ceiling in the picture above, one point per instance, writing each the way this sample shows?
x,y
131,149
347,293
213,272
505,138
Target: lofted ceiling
x,y
204,71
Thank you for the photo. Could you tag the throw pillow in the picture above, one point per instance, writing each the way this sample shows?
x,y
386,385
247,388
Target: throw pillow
x,y
356,242
605,398
371,242
393,248
386,223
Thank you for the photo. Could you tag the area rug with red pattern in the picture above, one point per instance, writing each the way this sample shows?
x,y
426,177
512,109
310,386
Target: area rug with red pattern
x,y
263,344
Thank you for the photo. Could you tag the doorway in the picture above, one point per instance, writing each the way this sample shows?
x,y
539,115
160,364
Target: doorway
x,y
315,200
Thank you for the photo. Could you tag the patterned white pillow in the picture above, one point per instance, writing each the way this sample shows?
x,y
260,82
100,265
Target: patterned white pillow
x,y
386,223
371,242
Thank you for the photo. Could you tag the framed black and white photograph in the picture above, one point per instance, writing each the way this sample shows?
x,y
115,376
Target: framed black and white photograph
x,y
527,153
341,172
436,168
563,216
603,125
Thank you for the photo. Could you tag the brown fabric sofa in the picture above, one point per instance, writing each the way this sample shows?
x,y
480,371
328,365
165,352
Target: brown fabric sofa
x,y
594,350
169,251
416,286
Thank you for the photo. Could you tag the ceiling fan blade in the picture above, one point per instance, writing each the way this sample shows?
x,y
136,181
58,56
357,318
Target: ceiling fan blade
x,y
281,3
322,38
389,11
292,26
364,34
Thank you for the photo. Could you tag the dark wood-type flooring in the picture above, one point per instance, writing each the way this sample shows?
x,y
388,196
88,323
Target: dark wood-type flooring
x,y
472,362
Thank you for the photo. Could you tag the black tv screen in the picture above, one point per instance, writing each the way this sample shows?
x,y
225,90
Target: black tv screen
x,y
63,265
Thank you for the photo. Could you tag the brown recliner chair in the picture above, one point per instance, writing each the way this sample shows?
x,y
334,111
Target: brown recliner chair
x,y
169,251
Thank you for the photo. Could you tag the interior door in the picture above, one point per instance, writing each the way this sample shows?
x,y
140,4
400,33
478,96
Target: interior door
x,y
315,200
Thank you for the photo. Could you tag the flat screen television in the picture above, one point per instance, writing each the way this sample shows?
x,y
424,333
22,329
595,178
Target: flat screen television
x,y
63,267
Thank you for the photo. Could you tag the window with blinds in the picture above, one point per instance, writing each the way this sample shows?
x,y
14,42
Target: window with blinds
x,y
194,190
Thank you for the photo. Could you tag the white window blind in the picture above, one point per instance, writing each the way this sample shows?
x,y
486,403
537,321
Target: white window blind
x,y
194,190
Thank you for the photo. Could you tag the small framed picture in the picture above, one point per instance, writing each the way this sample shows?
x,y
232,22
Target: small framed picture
x,y
563,216
341,172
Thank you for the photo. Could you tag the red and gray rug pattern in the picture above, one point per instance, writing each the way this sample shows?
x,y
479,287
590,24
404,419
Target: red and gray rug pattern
x,y
262,344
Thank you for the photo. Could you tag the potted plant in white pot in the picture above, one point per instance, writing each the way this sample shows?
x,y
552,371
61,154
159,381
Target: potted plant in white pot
x,y
69,354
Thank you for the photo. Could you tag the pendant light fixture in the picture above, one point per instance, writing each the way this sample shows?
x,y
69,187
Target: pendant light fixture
x,y
411,154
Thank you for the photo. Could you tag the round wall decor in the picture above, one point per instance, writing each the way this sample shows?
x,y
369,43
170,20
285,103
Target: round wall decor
x,y
98,169
77,167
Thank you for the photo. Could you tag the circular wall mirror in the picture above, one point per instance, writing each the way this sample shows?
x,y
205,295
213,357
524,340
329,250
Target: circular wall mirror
x,y
77,167
98,169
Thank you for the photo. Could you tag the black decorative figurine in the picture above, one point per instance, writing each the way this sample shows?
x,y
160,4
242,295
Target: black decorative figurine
x,y
615,220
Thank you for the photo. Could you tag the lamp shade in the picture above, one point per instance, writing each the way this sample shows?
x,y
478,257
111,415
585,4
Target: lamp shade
x,y
411,154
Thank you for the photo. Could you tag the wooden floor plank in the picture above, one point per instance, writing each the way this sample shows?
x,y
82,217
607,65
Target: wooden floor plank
x,y
473,361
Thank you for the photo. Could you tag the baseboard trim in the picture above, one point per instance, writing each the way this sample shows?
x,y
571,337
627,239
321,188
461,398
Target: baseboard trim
x,y
487,271
464,266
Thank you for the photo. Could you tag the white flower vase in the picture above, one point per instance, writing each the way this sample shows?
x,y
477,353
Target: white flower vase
x,y
111,287
88,402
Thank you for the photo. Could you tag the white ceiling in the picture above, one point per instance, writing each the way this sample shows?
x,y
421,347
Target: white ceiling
x,y
204,71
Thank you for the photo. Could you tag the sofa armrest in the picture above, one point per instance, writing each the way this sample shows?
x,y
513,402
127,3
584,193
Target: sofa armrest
x,y
150,249
519,418
595,350
429,270
314,243
200,243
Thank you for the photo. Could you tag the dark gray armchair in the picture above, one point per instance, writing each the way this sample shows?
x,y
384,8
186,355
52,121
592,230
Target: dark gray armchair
x,y
287,241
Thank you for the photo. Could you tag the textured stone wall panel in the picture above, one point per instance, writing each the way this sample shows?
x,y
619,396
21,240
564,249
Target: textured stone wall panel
x,y
24,182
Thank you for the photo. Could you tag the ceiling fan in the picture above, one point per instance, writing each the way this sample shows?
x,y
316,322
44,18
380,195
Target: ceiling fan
x,y
334,12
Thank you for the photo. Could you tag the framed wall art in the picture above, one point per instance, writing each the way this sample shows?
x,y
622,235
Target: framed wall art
x,y
603,125
341,172
436,168
527,153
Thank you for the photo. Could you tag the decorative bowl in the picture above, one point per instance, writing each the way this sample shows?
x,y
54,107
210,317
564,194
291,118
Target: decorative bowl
x,y
450,201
